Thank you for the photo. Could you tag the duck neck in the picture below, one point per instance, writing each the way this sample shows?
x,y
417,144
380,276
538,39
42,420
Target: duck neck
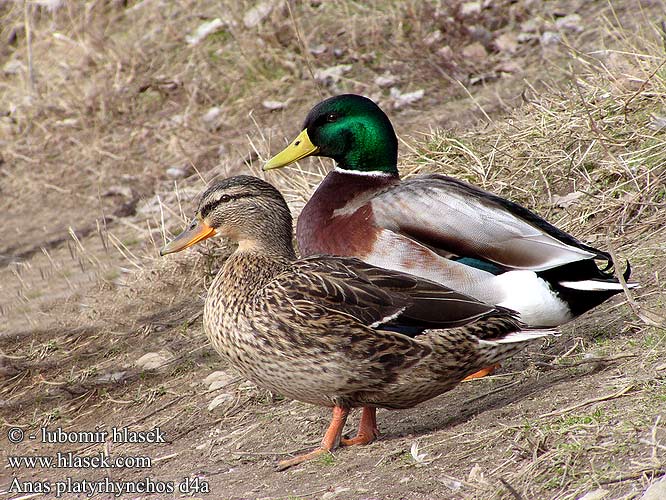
x,y
270,248
248,269
340,194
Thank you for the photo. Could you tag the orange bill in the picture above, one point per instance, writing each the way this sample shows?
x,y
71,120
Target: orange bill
x,y
197,231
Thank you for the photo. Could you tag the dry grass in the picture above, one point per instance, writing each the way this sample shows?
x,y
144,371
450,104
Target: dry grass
x,y
116,96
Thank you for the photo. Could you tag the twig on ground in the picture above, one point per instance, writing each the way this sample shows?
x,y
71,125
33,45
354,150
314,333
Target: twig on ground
x,y
648,317
511,489
615,395
585,361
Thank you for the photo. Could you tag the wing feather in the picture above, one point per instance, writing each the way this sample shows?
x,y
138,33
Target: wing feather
x,y
456,218
381,297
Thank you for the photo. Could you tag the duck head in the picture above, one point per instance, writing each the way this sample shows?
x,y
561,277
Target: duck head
x,y
245,209
349,128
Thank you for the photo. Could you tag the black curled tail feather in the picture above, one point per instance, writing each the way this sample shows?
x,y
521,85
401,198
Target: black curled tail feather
x,y
580,301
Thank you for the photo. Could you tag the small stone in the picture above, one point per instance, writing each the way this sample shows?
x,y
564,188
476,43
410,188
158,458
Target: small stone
x,y
153,361
481,34
332,75
176,172
572,22
476,474
220,399
550,38
318,50
332,494
211,115
13,67
217,379
433,37
657,122
597,494
50,5
402,100
385,80
506,42
111,377
257,14
124,191
527,37
475,51
450,483
204,30
66,122
446,53
508,67
274,105
470,8
247,386
568,199
530,26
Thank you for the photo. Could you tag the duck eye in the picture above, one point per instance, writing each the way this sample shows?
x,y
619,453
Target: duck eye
x,y
331,117
225,198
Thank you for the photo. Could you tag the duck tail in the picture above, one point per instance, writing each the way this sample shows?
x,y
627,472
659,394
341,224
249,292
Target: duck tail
x,y
584,285
497,350
602,280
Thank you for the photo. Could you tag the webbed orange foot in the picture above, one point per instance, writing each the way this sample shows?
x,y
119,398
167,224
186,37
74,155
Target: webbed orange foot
x,y
285,464
483,372
330,442
367,428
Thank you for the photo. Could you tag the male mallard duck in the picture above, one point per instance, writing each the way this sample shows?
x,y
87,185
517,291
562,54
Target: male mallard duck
x,y
317,329
437,227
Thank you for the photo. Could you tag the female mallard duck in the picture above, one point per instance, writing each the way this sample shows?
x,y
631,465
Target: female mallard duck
x,y
319,329
437,227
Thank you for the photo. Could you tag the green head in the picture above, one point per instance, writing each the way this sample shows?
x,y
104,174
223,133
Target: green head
x,y
349,128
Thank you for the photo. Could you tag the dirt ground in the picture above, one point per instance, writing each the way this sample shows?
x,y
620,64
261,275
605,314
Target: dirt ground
x,y
114,116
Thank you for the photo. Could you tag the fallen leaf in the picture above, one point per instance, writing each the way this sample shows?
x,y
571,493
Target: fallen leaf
x,y
506,42
402,100
204,30
549,38
572,22
153,360
414,450
210,115
568,199
257,14
475,51
597,494
274,105
220,399
385,80
332,74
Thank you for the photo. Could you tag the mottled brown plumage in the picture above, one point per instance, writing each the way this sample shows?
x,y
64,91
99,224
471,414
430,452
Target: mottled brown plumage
x,y
318,329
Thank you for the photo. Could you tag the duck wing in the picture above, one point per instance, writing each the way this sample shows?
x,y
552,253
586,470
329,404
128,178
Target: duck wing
x,y
457,219
382,298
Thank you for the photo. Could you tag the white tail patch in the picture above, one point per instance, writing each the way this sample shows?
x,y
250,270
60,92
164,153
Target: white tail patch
x,y
522,336
594,286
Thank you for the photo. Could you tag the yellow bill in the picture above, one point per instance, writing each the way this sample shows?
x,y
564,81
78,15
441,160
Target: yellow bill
x,y
300,148
198,231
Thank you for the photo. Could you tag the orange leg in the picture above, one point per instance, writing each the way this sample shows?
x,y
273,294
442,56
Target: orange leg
x,y
330,442
367,428
483,372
